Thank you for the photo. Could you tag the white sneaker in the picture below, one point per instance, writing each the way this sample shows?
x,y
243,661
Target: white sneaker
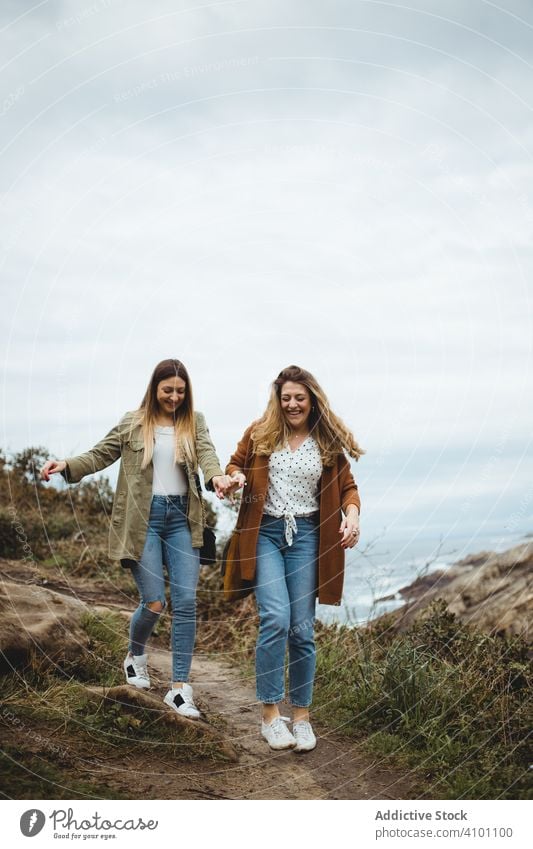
x,y
135,670
277,734
180,700
304,736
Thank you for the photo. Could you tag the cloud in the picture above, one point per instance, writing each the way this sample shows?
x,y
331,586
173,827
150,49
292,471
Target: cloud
x,y
245,185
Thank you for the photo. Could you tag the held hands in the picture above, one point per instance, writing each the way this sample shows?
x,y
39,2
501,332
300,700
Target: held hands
x,y
238,481
221,484
224,484
350,528
52,467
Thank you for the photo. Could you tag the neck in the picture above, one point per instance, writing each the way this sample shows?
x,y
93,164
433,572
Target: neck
x,y
164,421
301,431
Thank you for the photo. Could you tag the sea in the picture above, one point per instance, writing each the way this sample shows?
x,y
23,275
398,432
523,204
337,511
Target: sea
x,y
381,567
385,562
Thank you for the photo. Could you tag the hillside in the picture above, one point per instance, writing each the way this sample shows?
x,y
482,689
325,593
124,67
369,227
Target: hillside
x,y
491,591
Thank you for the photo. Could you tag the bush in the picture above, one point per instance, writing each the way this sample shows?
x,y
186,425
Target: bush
x,y
445,695
37,516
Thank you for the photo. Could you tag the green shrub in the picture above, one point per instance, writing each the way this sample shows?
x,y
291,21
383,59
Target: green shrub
x,y
452,698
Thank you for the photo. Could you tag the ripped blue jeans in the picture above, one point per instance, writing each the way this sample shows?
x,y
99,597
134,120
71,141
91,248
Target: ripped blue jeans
x,y
168,541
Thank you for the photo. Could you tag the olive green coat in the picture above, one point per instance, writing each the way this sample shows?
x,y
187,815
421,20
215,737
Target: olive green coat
x,y
133,496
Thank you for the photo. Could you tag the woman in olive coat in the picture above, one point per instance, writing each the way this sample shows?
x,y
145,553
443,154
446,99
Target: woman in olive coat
x,y
158,515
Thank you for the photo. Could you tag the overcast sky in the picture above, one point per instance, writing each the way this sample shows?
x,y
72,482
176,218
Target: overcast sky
x,y
344,184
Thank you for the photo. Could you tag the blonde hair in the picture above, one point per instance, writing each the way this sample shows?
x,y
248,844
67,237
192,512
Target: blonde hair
x,y
184,424
271,431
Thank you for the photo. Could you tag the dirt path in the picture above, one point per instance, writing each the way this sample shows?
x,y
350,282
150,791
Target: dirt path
x,y
333,770
336,769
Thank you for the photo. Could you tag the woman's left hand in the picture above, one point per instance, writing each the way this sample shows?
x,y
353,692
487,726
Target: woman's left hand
x,y
222,484
350,529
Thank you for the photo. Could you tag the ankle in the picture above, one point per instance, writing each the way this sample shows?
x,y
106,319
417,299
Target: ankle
x,y
270,713
300,715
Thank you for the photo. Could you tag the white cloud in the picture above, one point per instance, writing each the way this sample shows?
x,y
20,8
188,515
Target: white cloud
x,y
302,190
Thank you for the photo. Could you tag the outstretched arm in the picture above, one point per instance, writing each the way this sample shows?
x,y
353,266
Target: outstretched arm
x,y
104,453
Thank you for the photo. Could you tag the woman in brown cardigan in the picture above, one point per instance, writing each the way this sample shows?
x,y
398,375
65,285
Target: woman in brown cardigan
x,y
298,514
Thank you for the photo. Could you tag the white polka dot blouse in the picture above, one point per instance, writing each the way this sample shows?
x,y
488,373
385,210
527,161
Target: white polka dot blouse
x,y
293,478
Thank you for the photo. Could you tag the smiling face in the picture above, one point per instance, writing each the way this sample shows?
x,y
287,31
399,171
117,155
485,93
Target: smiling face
x,y
296,404
170,394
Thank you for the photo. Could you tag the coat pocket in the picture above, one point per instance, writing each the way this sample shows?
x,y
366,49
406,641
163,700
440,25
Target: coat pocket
x,y
117,514
133,453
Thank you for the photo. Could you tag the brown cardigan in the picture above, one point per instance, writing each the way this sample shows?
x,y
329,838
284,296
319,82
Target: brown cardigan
x,y
337,489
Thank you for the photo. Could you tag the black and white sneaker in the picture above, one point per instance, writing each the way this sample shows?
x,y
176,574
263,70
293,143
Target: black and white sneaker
x,y
135,671
180,700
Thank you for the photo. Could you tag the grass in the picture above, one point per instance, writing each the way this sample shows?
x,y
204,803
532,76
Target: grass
x,y
54,724
102,663
222,627
44,699
447,701
28,776
443,698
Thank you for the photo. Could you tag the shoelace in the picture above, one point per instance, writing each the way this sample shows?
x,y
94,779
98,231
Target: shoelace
x,y
278,727
187,698
302,728
140,669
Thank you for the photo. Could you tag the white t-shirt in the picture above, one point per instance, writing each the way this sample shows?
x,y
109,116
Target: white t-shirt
x,y
169,476
293,484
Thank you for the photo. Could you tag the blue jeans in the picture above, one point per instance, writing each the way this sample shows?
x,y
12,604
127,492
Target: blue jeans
x,y
168,540
286,590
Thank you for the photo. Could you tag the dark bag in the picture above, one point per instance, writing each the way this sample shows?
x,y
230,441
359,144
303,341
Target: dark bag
x,y
235,587
208,551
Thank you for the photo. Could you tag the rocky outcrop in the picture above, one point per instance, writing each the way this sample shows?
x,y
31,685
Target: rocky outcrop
x,y
144,707
493,591
33,620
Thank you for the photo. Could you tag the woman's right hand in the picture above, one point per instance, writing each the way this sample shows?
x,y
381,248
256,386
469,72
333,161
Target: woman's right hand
x,y
52,467
238,480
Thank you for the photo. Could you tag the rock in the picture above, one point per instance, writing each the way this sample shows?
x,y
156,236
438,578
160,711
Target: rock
x,y
390,597
35,619
132,700
422,584
493,591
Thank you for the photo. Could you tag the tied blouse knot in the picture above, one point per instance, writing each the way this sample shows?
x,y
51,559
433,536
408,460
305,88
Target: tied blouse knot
x,y
293,478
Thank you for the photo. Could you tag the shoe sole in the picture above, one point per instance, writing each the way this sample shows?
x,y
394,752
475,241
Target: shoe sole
x,y
303,751
279,748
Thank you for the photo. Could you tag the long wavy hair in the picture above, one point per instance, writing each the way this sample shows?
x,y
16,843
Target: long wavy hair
x,y
271,431
184,423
